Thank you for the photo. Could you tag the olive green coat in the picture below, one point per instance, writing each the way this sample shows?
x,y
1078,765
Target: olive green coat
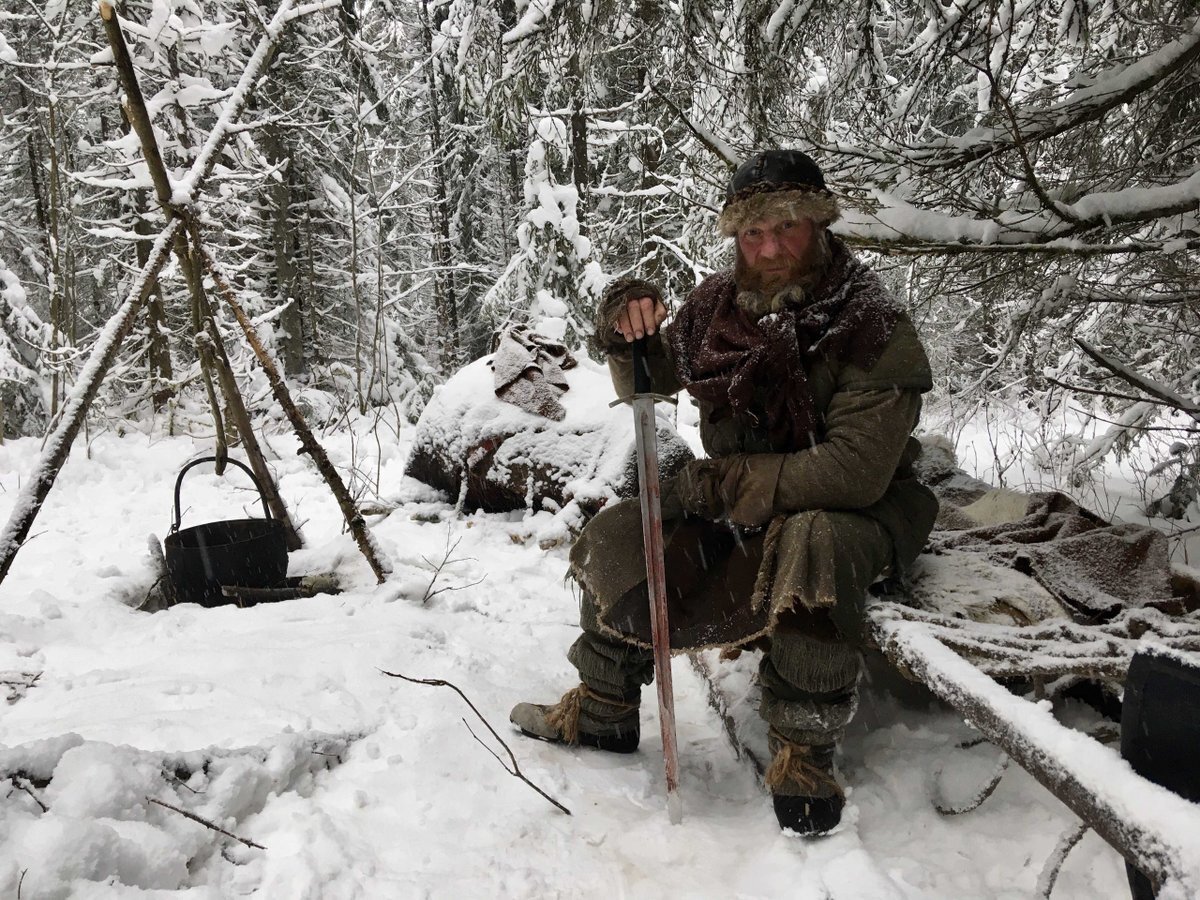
x,y
862,465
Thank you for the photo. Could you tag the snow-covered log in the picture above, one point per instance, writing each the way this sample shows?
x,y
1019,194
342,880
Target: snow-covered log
x,y
1055,647
1154,829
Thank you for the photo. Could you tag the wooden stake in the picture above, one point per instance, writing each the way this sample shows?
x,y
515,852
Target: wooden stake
x,y
207,346
308,441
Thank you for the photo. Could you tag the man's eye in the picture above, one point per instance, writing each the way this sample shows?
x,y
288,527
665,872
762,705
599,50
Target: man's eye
x,y
787,226
752,233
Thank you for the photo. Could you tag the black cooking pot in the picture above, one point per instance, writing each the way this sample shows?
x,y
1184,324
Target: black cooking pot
x,y
233,552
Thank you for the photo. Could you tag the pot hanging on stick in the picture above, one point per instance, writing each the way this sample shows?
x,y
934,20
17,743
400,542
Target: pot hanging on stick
x,y
232,552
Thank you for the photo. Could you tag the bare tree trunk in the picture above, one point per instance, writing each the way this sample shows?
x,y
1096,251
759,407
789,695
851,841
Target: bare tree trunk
x,y
158,351
445,299
284,246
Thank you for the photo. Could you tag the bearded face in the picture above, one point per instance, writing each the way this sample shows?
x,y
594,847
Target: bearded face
x,y
775,256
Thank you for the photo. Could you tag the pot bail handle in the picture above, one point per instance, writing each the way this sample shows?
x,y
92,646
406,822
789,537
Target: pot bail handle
x,y
212,459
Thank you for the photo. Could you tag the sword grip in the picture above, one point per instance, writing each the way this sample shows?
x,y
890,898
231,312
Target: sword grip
x,y
641,368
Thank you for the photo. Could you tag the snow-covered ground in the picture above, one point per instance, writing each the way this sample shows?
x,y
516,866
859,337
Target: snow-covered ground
x,y
278,724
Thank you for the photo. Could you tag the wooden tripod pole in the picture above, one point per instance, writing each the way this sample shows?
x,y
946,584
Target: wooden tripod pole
x,y
213,357
308,441
104,351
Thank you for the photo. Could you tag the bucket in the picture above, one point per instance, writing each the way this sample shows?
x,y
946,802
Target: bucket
x,y
233,552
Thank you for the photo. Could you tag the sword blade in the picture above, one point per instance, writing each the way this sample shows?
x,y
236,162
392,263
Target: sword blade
x,y
646,436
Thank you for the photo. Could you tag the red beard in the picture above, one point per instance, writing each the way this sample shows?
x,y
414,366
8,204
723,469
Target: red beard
x,y
797,273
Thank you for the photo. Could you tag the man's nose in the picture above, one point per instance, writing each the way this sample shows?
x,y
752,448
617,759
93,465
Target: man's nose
x,y
770,246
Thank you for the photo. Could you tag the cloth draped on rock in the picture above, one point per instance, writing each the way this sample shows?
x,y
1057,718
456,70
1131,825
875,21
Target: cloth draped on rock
x,y
528,369
723,353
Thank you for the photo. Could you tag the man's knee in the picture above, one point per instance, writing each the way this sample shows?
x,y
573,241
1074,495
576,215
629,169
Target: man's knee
x,y
809,654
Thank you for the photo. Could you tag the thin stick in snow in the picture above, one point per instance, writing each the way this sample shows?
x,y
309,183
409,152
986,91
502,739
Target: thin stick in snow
x,y
511,767
981,795
205,823
1054,864
437,567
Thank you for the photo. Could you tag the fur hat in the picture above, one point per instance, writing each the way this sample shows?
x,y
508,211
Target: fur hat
x,y
777,184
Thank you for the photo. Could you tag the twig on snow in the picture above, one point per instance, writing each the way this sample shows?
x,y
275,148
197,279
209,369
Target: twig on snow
x,y
511,767
437,567
205,823
981,795
24,785
1054,862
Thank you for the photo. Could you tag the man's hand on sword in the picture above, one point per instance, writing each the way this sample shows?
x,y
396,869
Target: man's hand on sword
x,y
640,318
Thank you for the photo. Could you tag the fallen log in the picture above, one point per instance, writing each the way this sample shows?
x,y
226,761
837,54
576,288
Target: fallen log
x,y
1154,829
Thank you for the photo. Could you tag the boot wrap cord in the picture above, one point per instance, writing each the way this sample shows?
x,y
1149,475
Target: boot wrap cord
x,y
564,715
791,762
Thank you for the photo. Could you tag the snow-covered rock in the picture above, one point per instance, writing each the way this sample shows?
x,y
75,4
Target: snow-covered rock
x,y
494,456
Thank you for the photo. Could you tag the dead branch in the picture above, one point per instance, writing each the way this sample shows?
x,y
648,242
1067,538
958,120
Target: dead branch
x,y
430,593
212,353
725,154
1080,389
24,785
1100,96
1158,391
511,767
1054,863
369,508
18,683
309,586
205,823
308,441
914,245
980,796
1052,648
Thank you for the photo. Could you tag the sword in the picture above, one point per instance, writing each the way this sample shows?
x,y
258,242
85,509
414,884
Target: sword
x,y
642,400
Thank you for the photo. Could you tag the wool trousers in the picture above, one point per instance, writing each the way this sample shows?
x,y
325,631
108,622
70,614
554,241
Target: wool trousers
x,y
809,672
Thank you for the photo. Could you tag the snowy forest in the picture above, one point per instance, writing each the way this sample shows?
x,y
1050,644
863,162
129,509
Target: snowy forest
x,y
409,177
221,218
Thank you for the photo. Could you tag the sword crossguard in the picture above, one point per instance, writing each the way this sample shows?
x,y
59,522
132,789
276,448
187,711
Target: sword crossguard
x,y
657,398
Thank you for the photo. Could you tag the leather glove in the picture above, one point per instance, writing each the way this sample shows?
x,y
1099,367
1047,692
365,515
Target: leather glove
x,y
740,488
697,488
